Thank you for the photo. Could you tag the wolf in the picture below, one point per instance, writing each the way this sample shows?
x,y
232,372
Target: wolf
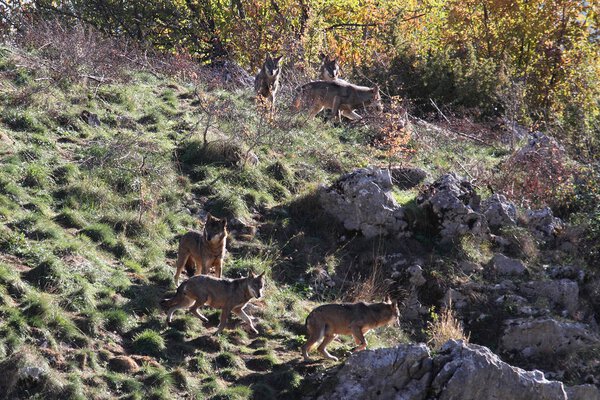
x,y
227,294
206,249
339,96
266,83
356,319
330,69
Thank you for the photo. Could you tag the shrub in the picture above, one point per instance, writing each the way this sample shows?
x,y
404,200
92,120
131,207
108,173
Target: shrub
x,y
117,320
149,342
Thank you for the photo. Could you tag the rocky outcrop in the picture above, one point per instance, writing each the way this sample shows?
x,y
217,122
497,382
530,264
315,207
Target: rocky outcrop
x,y
546,337
459,371
455,206
362,201
562,294
499,212
543,224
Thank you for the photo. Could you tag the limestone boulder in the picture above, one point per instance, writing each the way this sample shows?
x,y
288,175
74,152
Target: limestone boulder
x,y
454,206
362,200
546,337
458,371
503,265
499,212
562,294
543,224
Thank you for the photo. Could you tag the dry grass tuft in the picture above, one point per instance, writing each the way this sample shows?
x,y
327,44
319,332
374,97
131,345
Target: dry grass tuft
x,y
443,327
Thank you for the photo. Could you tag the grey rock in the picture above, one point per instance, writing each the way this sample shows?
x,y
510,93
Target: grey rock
x,y
459,371
583,392
406,177
362,201
455,299
455,205
566,272
543,224
563,293
416,275
469,267
503,265
546,337
499,211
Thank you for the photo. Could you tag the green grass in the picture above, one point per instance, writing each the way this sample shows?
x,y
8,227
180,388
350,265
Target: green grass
x,y
149,342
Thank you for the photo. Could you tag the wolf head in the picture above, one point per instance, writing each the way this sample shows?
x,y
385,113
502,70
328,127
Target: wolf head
x,y
215,229
256,284
376,101
272,66
330,69
392,310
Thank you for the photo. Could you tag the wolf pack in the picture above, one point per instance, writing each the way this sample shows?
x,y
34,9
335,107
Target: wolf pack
x,y
204,251
328,93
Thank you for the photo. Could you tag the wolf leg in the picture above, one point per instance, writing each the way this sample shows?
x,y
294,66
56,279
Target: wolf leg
x,y
239,311
223,321
359,338
180,264
351,115
196,309
314,111
218,265
183,304
322,347
335,109
313,339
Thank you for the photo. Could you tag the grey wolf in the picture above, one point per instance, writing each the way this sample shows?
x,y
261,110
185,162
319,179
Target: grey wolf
x,y
226,294
266,83
206,249
339,96
356,319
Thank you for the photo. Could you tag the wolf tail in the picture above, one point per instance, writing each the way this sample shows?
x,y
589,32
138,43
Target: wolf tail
x,y
171,302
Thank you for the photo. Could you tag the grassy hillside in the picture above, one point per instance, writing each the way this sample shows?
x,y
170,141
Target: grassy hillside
x,y
99,178
91,208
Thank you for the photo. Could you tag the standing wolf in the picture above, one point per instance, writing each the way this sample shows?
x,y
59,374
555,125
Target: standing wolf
x,y
227,294
329,320
339,96
266,83
206,249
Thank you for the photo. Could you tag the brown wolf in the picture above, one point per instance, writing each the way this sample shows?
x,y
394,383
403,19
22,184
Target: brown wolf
x,y
338,96
356,319
330,69
227,294
266,82
206,249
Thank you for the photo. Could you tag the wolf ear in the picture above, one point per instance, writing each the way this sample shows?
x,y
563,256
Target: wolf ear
x,y
261,274
208,216
387,299
251,275
278,59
